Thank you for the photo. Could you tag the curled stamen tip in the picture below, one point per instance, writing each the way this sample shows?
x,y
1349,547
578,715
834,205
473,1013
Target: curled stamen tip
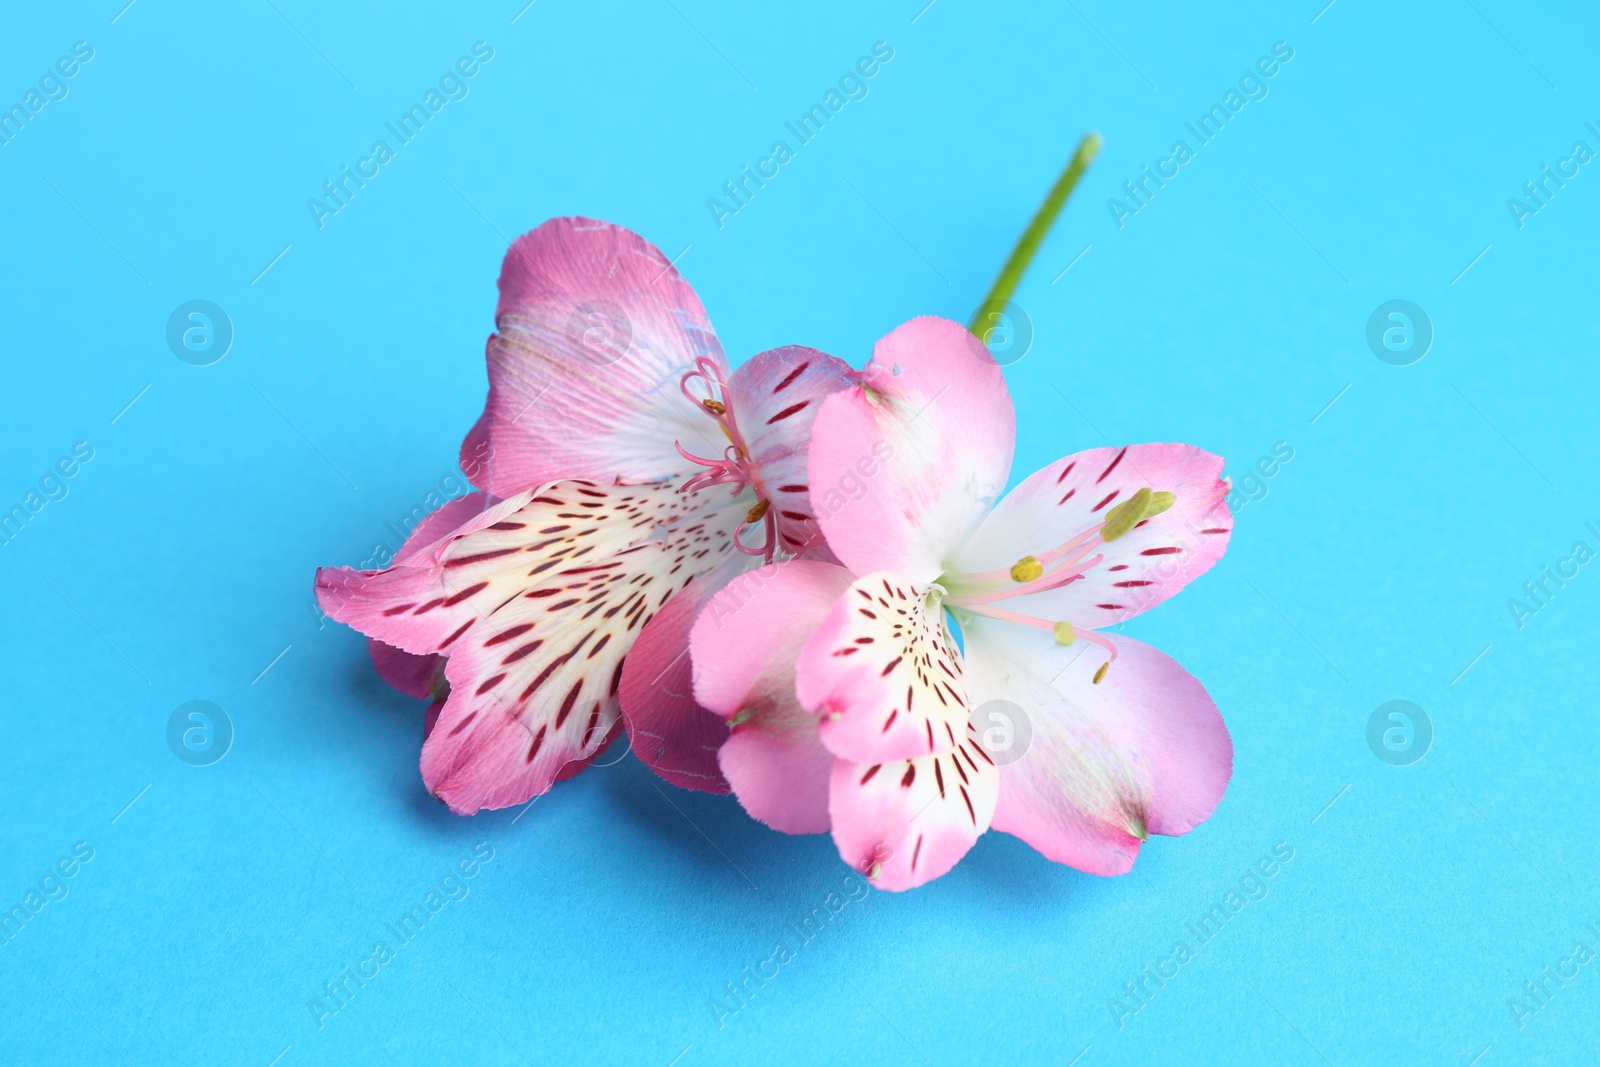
x,y
1064,633
1100,675
755,513
716,407
1026,569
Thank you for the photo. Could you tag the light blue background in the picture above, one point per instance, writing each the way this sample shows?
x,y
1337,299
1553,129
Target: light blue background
x,y
1227,313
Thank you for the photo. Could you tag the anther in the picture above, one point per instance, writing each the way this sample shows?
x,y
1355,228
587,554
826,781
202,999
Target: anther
x,y
1160,502
1125,516
1026,569
1100,675
714,406
1064,634
755,513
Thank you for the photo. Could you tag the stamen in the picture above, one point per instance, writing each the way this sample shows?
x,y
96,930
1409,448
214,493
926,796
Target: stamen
x,y
769,543
734,468
1066,548
1010,616
729,469
1057,629
759,510
1145,504
1095,639
1111,653
1123,517
1026,569
1069,572
707,374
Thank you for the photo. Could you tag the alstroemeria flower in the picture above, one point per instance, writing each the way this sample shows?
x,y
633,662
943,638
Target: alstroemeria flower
x,y
633,475
875,737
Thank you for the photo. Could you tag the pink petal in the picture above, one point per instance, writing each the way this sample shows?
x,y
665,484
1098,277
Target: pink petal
x,y
1143,752
775,397
884,674
670,733
906,822
535,601
430,718
577,766
422,676
448,518
596,329
1140,569
408,605
905,466
415,676
744,646
779,772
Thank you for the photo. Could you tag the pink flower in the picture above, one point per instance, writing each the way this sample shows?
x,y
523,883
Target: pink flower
x,y
850,698
629,474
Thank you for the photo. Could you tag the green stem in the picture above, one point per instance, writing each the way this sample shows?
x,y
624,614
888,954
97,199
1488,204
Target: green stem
x,y
1033,236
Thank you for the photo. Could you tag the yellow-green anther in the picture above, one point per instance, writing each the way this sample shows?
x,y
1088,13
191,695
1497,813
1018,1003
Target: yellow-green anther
x,y
1160,502
1125,516
1026,569
1064,634
1100,675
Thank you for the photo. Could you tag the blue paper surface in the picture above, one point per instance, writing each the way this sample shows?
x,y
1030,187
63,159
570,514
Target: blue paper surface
x,y
1433,911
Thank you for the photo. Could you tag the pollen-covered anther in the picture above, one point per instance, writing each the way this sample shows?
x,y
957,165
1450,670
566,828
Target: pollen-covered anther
x,y
716,407
1027,569
1100,675
1064,633
1144,504
1126,515
755,513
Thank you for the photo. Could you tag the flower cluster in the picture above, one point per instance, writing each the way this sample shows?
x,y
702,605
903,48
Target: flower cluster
x,y
795,581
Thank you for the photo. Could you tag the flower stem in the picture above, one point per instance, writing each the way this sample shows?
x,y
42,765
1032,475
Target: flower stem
x,y
1033,236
